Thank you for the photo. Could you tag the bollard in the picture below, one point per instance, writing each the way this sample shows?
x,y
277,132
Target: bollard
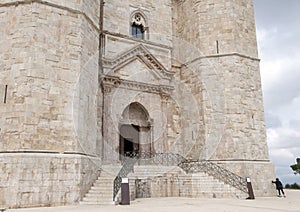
x,y
125,194
250,189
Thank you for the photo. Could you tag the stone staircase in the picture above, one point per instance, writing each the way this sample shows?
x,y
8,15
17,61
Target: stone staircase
x,y
202,185
150,171
199,184
101,192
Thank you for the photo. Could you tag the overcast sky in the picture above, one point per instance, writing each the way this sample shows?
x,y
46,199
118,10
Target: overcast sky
x,y
278,31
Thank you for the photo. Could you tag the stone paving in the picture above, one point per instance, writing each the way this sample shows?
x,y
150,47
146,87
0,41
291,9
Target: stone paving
x,y
290,203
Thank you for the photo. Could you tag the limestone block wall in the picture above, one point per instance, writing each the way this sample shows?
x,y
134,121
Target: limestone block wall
x,y
222,97
50,54
225,86
220,100
16,51
46,46
186,134
42,179
203,23
245,110
233,108
87,89
261,174
230,84
159,16
198,185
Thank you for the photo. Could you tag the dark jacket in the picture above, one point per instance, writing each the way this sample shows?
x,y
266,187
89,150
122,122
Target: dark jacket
x,y
278,184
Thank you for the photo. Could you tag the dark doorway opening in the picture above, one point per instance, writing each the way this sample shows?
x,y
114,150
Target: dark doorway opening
x,y
129,141
128,146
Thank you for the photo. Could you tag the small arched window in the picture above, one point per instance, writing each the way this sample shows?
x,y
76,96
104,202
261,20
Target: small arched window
x,y
138,26
137,31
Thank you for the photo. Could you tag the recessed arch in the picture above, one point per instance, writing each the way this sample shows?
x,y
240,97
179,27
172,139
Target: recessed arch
x,y
135,131
135,112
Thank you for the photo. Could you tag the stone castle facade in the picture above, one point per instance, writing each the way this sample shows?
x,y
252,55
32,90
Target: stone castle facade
x,y
85,81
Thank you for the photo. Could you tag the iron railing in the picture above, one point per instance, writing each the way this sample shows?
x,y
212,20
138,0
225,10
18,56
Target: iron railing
x,y
166,159
128,164
218,172
172,159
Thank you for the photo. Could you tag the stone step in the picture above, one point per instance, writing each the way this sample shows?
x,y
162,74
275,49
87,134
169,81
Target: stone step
x,y
102,190
90,197
200,184
91,193
152,171
96,203
102,183
97,196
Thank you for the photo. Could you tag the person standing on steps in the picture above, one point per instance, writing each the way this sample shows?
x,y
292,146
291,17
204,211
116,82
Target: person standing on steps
x,y
279,187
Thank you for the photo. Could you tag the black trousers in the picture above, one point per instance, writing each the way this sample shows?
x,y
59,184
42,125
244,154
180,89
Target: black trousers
x,y
280,189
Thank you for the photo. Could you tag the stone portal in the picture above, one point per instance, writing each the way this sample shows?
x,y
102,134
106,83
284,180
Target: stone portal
x,y
135,131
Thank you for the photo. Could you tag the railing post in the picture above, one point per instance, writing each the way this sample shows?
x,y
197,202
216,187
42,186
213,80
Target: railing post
x,y
250,189
188,165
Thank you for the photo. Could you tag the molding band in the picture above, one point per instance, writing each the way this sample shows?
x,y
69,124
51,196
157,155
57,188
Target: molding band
x,y
222,55
45,152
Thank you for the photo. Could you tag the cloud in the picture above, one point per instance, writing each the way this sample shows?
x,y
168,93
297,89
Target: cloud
x,y
283,138
284,148
278,35
276,12
282,157
280,68
295,124
272,120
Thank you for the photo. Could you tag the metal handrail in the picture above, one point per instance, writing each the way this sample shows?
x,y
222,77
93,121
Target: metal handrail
x,y
168,159
174,159
127,167
216,171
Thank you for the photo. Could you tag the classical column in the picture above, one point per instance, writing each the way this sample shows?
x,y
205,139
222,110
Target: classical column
x,y
164,106
106,96
110,127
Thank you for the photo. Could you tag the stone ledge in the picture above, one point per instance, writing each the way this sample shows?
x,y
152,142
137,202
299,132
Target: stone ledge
x,y
48,153
222,55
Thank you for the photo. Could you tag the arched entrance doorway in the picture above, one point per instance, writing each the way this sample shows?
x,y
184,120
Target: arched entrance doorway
x,y
135,131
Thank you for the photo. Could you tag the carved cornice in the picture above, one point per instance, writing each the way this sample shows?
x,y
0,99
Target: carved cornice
x,y
129,38
138,52
222,55
111,82
165,97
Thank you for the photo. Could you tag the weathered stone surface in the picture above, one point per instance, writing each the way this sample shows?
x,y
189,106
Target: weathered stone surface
x,y
73,76
41,179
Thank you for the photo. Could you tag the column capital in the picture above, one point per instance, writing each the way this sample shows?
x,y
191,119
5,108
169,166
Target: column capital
x,y
165,97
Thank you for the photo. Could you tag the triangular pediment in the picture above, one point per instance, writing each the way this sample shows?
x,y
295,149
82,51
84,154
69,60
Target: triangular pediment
x,y
142,54
137,70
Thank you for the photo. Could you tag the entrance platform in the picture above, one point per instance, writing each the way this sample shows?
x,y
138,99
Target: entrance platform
x,y
270,204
